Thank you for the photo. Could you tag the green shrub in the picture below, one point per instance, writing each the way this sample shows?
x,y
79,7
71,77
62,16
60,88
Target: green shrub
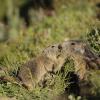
x,y
94,39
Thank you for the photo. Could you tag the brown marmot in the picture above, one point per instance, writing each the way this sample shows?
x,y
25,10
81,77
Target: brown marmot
x,y
52,60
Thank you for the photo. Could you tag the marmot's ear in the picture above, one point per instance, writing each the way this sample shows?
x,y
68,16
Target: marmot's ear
x,y
60,47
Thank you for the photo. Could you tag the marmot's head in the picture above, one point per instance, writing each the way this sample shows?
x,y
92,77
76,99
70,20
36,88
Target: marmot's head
x,y
76,46
65,48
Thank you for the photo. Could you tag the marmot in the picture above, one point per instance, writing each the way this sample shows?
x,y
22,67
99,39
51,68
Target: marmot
x,y
52,59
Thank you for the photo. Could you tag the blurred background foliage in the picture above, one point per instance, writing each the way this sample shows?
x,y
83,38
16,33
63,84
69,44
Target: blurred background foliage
x,y
72,19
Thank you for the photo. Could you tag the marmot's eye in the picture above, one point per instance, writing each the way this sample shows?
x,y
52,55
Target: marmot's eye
x,y
72,43
53,46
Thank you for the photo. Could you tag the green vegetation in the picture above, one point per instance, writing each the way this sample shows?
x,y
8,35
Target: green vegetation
x,y
73,20
94,39
4,6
